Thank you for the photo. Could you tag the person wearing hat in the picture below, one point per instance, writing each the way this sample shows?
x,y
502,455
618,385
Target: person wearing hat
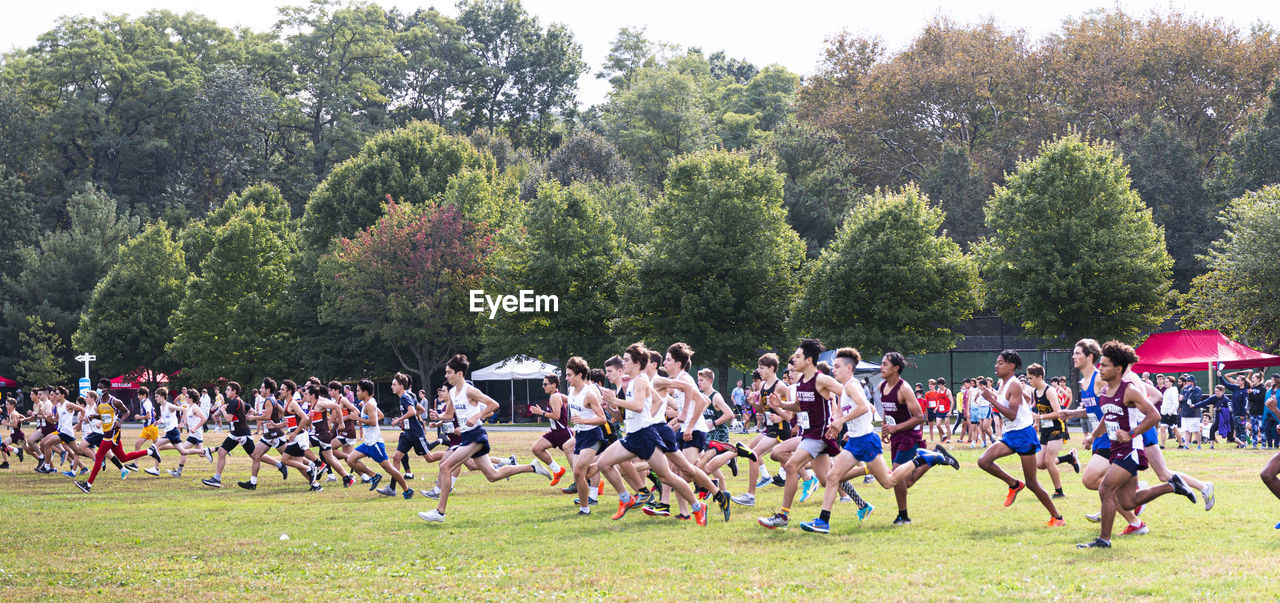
x,y
1188,398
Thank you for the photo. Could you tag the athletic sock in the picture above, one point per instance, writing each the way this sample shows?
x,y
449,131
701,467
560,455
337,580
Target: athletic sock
x,y
404,462
279,464
857,500
555,468
115,461
253,479
825,515
784,511
903,515
624,496
1057,490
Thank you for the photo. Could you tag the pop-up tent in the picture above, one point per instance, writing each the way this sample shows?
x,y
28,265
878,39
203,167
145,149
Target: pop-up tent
x,y
513,368
1185,351
7,382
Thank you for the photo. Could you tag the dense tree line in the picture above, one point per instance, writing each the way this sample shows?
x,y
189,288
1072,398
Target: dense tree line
x,y
320,197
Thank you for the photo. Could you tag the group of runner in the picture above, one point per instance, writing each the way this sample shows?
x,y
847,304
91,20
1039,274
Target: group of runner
x,y
651,430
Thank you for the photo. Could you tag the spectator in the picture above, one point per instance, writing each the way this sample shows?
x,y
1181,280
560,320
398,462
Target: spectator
x,y
1239,391
1257,394
1188,405
1271,422
1168,410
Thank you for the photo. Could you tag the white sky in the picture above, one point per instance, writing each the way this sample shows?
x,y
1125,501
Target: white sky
x,y
790,33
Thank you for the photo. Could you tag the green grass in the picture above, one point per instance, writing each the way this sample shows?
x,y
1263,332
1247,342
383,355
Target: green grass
x,y
172,538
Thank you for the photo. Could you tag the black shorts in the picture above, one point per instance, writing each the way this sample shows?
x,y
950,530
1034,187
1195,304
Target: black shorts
x,y
777,431
933,414
1171,420
66,438
698,440
415,442
244,441
1049,435
93,440
294,449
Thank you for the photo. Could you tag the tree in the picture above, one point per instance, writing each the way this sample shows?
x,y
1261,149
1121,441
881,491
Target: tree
x,y
1074,252
1167,175
127,321
1237,294
889,281
586,157
57,273
404,281
17,220
569,248
660,117
198,236
41,349
630,51
1253,158
957,186
438,66
233,322
720,272
820,186
414,163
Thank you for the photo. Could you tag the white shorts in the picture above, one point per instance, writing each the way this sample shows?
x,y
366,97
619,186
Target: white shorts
x,y
1191,424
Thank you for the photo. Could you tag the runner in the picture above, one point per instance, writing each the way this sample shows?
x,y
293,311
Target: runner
x,y
65,428
412,436
326,415
1053,430
775,427
237,410
931,396
814,392
682,450
943,406
1120,422
111,411
372,446
559,436
471,407
270,417
194,417
13,420
586,416
1271,471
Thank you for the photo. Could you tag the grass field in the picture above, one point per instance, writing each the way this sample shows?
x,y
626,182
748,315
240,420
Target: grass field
x,y
149,538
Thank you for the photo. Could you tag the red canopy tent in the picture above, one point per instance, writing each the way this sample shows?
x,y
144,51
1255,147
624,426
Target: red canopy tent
x,y
1185,351
132,380
6,382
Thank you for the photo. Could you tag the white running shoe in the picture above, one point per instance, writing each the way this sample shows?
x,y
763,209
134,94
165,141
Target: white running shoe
x,y
175,473
1207,493
432,493
1094,517
151,471
540,470
433,516
746,500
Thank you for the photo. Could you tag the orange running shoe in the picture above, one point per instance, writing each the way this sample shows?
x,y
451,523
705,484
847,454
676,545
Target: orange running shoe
x,y
600,488
1055,522
1013,493
623,507
701,515
555,479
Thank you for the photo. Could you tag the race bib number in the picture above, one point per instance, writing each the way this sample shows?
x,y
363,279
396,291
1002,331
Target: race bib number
x,y
802,419
447,427
1112,428
1047,424
888,420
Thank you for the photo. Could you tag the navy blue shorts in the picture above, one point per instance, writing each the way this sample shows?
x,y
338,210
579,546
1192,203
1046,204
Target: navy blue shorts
x,y
902,457
865,447
641,443
667,440
698,440
1022,441
475,436
588,439
174,436
66,437
1133,462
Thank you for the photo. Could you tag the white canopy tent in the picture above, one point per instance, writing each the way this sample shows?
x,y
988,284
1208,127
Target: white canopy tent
x,y
515,367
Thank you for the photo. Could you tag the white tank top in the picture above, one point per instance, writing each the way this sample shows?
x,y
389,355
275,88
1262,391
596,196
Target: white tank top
x,y
193,419
861,424
463,410
372,433
635,420
168,417
700,422
579,410
66,420
1023,418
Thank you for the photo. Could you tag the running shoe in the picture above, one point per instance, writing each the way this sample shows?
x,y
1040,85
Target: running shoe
x,y
701,493
4,465
623,507
733,466
764,481
572,489
684,517
1277,525
131,466
586,511
1097,543
84,470
947,459
212,482
643,497
208,454
653,479
902,521
777,520
348,480
85,486
20,453
1138,530
432,493
175,473
247,485
555,478
433,516
148,471
1074,460
658,509
511,460
868,479
700,514
779,480
73,473
817,526
154,452
743,451
1140,509
1094,517
332,478
386,491
1055,522
590,501
1207,494
810,485
722,499
124,472
407,494
373,481
316,487
1180,487
746,500
1057,495
865,512
599,488
408,476
1013,493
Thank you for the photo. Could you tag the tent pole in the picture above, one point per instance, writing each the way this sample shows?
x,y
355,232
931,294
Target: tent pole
x,y
512,383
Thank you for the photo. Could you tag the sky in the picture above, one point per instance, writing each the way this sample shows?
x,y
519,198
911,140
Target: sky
x,y
789,33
